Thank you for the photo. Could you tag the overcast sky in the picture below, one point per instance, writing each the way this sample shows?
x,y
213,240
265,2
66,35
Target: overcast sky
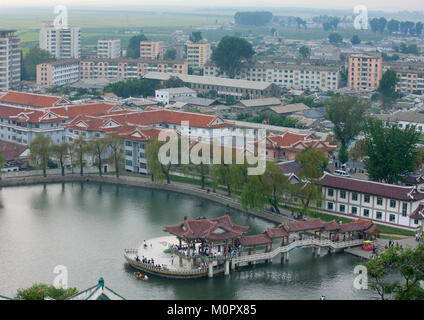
x,y
386,5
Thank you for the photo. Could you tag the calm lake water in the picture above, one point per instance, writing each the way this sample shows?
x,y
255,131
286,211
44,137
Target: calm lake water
x,y
86,226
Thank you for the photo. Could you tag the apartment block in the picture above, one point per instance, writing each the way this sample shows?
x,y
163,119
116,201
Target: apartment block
x,y
410,76
151,50
128,68
10,60
290,76
198,54
63,43
365,71
58,73
109,48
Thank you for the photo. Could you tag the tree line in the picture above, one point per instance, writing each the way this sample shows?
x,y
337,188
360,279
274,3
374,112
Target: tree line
x,y
43,152
394,26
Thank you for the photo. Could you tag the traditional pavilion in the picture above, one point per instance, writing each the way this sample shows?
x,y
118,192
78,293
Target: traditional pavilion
x,y
220,233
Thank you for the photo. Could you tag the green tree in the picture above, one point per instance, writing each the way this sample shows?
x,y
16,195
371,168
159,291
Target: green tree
x,y
40,291
170,54
231,54
391,152
2,162
80,147
117,149
40,150
98,147
355,40
335,38
387,89
347,114
29,62
174,82
60,151
196,36
267,188
312,165
396,261
305,52
133,50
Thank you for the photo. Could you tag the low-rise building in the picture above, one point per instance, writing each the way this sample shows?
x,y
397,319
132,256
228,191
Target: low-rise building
x,y
399,206
58,73
403,119
166,95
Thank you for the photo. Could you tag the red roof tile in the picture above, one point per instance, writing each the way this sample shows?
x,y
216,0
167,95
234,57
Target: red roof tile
x,y
12,151
30,99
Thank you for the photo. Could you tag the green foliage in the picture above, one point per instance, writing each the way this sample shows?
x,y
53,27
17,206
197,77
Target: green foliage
x,y
31,59
80,147
116,150
409,49
273,120
355,39
335,38
97,147
133,50
257,18
40,291
174,82
196,36
60,151
2,161
383,271
304,52
347,114
170,54
391,152
231,54
133,87
386,89
40,150
267,188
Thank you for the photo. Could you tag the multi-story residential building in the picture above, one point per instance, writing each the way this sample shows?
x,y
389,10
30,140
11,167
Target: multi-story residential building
x,y
198,54
222,87
410,76
387,204
164,95
58,73
151,50
10,60
128,68
291,76
109,48
365,71
63,43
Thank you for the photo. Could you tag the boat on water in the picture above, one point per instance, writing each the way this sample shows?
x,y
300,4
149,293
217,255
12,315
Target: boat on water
x,y
138,275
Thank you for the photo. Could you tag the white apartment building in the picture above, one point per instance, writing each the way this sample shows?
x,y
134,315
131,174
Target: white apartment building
x,y
165,95
58,73
109,48
10,60
63,43
291,76
387,204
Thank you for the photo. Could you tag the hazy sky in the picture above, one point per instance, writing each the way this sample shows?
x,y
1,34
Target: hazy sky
x,y
386,5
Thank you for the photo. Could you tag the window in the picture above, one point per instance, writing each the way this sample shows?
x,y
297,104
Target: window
x,y
404,209
416,221
379,215
330,206
380,201
342,208
367,198
343,194
366,213
392,203
330,192
354,196
128,163
392,218
354,210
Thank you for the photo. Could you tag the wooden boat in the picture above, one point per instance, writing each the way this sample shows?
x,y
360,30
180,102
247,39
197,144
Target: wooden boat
x,y
138,275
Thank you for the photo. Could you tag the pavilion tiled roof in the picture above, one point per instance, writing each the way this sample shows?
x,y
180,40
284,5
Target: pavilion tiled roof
x,y
276,233
357,225
331,225
297,226
30,99
372,188
257,239
221,228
